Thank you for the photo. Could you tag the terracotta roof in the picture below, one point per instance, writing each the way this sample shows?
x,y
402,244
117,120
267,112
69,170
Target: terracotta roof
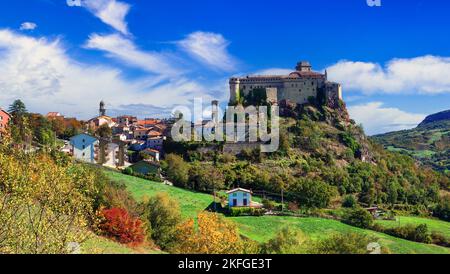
x,y
154,133
151,150
54,114
4,111
147,122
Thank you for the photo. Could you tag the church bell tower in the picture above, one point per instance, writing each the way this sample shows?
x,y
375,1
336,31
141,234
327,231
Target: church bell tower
x,y
102,110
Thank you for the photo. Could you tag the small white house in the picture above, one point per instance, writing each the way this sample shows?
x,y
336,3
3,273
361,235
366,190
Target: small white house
x,y
239,197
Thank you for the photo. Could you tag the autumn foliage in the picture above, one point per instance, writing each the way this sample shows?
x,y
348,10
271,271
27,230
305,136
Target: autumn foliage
x,y
212,235
117,224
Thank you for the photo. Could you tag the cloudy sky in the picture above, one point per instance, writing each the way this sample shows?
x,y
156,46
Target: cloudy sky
x,y
145,57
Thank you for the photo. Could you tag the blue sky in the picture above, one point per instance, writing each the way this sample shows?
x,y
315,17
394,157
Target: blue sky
x,y
145,57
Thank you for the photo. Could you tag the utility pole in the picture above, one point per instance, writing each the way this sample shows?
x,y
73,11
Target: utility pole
x,y
215,206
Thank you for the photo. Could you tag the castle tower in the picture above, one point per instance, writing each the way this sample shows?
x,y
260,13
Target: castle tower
x,y
303,66
215,111
234,90
102,109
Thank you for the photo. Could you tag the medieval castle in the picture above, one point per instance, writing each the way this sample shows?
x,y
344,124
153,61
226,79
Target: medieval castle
x,y
297,87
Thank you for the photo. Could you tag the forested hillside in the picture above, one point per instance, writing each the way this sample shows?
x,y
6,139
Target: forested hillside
x,y
429,142
323,157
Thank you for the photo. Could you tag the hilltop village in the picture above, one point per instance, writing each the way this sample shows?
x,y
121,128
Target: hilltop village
x,y
126,141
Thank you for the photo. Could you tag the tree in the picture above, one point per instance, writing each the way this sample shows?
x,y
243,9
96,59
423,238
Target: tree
x,y
206,178
17,108
312,193
118,224
163,215
176,169
349,201
44,205
442,210
358,217
19,124
104,131
352,243
287,241
212,235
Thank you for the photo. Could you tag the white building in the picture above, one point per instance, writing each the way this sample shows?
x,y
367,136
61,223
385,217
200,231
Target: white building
x,y
239,197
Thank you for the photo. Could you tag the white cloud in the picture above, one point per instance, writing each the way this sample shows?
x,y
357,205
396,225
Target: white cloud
x,y
425,75
28,26
46,78
210,49
124,50
111,12
377,119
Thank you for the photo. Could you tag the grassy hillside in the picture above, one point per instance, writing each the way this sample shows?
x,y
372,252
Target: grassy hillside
x,y
428,143
263,228
190,202
101,245
433,225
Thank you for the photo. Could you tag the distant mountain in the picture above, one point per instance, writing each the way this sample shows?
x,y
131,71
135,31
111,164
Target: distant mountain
x,y
429,142
441,116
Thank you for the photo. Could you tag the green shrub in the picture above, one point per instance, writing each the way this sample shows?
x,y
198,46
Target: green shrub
x,y
162,215
442,210
410,232
439,239
352,243
287,241
268,204
349,201
358,217
128,171
246,211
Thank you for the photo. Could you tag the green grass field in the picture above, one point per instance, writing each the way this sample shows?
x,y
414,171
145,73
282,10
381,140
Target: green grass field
x,y
190,202
439,226
100,245
264,228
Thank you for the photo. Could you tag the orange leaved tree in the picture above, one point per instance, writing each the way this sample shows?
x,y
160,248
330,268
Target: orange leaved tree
x,y
212,234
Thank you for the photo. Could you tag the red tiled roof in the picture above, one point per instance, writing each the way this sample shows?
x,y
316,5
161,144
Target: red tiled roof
x,y
151,150
53,114
147,122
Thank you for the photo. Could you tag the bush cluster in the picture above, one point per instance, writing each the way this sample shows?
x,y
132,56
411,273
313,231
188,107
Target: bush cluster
x,y
118,224
246,211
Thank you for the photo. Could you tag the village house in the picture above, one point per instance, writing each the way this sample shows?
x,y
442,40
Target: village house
x,y
54,115
239,197
4,120
102,119
84,147
126,120
155,143
152,154
141,133
148,123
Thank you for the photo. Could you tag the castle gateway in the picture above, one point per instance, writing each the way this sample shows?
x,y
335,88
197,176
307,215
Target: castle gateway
x,y
297,87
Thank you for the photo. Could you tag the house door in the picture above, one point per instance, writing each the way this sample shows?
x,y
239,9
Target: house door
x,y
245,202
234,202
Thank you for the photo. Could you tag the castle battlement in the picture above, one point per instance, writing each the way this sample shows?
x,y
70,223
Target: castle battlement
x,y
295,87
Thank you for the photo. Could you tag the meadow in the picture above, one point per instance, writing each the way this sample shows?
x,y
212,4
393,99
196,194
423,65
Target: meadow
x,y
264,228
